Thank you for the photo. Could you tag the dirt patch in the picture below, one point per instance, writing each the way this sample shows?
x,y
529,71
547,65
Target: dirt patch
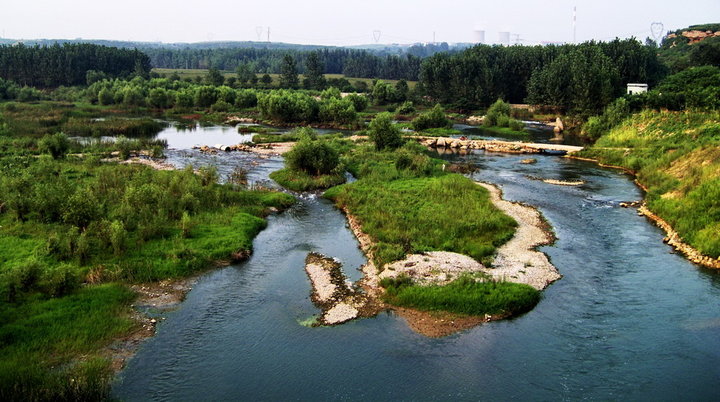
x,y
436,324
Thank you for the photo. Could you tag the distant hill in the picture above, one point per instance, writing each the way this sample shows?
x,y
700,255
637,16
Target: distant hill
x,y
696,45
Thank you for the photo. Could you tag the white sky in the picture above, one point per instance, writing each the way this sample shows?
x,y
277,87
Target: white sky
x,y
345,22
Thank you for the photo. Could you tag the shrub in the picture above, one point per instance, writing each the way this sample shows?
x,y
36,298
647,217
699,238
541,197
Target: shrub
x,y
337,110
124,146
359,101
60,280
498,112
516,125
331,93
384,133
246,98
435,118
383,93
158,97
315,157
220,106
56,145
406,108
288,106
81,208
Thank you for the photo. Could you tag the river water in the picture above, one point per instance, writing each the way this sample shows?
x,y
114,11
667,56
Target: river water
x,y
629,320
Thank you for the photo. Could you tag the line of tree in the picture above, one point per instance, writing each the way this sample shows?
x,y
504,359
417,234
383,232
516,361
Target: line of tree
x,y
350,62
579,79
68,64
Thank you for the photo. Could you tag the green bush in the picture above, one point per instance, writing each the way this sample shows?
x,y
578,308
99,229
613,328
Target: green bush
x,y
337,110
288,106
406,107
315,157
359,101
435,118
57,145
383,133
220,106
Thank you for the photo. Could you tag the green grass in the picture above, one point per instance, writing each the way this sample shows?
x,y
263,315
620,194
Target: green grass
x,y
289,137
412,206
505,131
50,346
297,180
676,155
464,296
440,132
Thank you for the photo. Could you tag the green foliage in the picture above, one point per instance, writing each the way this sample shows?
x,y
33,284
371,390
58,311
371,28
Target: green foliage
x,y
57,145
406,107
677,157
383,133
406,210
360,102
288,106
383,93
314,78
288,73
68,64
581,81
331,93
214,77
464,295
435,118
564,76
337,110
315,157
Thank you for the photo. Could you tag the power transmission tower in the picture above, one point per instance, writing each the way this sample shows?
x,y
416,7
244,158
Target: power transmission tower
x,y
268,36
574,24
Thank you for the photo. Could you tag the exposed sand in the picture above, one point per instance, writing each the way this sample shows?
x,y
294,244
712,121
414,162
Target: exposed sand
x,y
333,294
563,182
517,260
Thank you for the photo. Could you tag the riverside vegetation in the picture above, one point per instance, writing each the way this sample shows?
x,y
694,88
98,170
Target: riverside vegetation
x,y
75,232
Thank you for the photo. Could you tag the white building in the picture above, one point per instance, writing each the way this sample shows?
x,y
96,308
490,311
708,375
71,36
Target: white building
x,y
633,89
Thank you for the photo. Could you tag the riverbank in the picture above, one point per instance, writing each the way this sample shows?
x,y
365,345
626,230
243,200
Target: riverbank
x,y
675,158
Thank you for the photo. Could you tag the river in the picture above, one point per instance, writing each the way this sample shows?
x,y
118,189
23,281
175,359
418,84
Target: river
x,y
630,320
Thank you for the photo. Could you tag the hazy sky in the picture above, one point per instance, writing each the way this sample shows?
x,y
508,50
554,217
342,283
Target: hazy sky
x,y
343,22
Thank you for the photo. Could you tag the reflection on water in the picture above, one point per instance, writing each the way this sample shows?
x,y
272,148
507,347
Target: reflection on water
x,y
629,320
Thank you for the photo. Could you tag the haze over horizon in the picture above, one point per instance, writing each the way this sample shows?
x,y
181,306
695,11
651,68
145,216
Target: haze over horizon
x,y
324,22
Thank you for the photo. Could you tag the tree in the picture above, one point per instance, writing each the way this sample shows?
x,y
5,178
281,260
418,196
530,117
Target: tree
x,y
245,73
384,133
214,77
314,69
288,73
266,79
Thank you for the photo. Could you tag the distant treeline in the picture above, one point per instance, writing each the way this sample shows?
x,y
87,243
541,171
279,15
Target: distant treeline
x,y
68,64
352,63
579,79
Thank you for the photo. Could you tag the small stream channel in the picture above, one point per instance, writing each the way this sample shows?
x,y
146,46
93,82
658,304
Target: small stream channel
x,y
630,320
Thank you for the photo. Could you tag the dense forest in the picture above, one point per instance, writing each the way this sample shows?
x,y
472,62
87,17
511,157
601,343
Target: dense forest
x,y
352,63
68,64
575,78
